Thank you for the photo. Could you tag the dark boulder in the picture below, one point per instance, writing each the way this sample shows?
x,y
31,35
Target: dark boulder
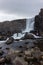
x,y
2,37
17,39
7,59
33,31
2,61
27,36
1,52
40,44
10,40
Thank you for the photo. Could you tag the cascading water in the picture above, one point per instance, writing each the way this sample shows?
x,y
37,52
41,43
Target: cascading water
x,y
29,27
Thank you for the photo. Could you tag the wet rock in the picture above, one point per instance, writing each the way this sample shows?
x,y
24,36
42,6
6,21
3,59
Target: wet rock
x,y
1,52
7,48
0,47
27,53
26,42
17,39
28,59
17,51
10,51
20,61
42,55
41,62
36,53
33,31
2,37
20,54
21,51
20,46
40,44
26,48
37,63
7,59
10,40
2,60
28,36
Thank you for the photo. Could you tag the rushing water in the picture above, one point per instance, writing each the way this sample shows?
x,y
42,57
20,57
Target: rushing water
x,y
19,35
29,27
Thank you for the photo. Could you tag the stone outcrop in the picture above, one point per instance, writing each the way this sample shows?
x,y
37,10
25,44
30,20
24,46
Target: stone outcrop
x,y
38,26
27,36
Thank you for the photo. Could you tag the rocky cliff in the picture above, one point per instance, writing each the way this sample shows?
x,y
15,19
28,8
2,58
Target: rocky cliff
x,y
38,26
13,26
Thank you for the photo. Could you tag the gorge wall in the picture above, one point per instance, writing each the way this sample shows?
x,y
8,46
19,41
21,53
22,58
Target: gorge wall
x,y
13,26
38,26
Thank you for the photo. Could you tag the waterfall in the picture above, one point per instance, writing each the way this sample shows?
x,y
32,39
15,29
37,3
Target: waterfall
x,y
29,25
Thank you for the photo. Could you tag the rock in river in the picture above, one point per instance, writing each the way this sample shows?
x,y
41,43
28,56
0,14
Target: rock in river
x,y
10,40
28,36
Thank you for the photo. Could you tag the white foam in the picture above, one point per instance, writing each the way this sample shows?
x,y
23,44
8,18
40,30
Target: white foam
x,y
3,41
19,35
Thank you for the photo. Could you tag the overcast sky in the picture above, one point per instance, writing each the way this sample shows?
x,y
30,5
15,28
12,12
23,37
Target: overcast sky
x,y
15,9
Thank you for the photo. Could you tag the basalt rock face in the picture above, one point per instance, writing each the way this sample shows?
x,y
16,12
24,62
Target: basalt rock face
x,y
38,26
11,27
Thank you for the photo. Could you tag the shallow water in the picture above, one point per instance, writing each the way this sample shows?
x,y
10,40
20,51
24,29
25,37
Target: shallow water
x,y
16,44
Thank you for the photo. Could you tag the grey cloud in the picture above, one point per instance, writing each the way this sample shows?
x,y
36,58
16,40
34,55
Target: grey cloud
x,y
21,7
